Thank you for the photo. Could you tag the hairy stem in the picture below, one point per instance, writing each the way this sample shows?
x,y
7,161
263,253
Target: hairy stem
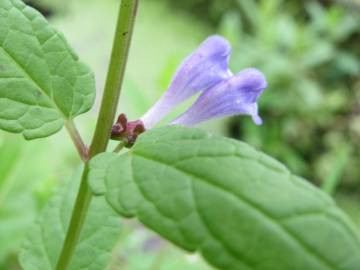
x,y
119,55
77,140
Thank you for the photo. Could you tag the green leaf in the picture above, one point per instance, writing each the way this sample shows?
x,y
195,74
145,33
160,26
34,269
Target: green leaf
x,y
44,242
238,207
42,81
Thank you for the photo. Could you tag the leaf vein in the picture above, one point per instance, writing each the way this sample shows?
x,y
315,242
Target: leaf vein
x,y
253,206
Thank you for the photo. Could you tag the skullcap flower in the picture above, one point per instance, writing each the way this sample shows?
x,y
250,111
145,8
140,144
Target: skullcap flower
x,y
206,72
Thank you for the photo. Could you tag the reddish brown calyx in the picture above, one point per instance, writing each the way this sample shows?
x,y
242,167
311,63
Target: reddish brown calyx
x,y
127,131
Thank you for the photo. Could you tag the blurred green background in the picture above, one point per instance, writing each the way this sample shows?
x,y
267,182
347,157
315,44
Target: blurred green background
x,y
309,51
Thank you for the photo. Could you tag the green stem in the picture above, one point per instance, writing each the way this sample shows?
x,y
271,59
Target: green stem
x,y
119,55
119,147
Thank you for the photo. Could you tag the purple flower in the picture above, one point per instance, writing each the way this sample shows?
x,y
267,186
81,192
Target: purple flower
x,y
233,96
204,68
222,93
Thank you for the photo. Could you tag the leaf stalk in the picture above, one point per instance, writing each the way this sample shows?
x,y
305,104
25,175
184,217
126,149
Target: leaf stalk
x,y
77,140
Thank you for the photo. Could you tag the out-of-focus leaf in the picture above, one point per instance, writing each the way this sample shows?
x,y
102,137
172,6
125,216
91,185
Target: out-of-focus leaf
x,y
347,64
341,23
309,94
338,165
16,206
316,13
250,11
44,241
317,55
231,27
141,249
9,155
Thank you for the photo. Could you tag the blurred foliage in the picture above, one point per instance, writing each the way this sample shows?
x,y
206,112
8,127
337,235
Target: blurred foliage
x,y
27,178
309,51
140,249
311,108
211,11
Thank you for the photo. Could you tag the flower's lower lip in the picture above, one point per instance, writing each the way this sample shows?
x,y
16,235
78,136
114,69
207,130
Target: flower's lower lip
x,y
233,96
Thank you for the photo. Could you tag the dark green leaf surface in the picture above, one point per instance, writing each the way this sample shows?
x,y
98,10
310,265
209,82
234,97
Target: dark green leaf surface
x,y
240,208
42,82
44,242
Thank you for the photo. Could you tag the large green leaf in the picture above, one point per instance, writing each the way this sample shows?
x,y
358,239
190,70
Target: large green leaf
x,y
240,208
44,242
42,81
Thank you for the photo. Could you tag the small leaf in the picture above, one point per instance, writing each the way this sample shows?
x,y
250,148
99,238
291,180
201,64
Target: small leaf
x,y
42,81
238,207
44,242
